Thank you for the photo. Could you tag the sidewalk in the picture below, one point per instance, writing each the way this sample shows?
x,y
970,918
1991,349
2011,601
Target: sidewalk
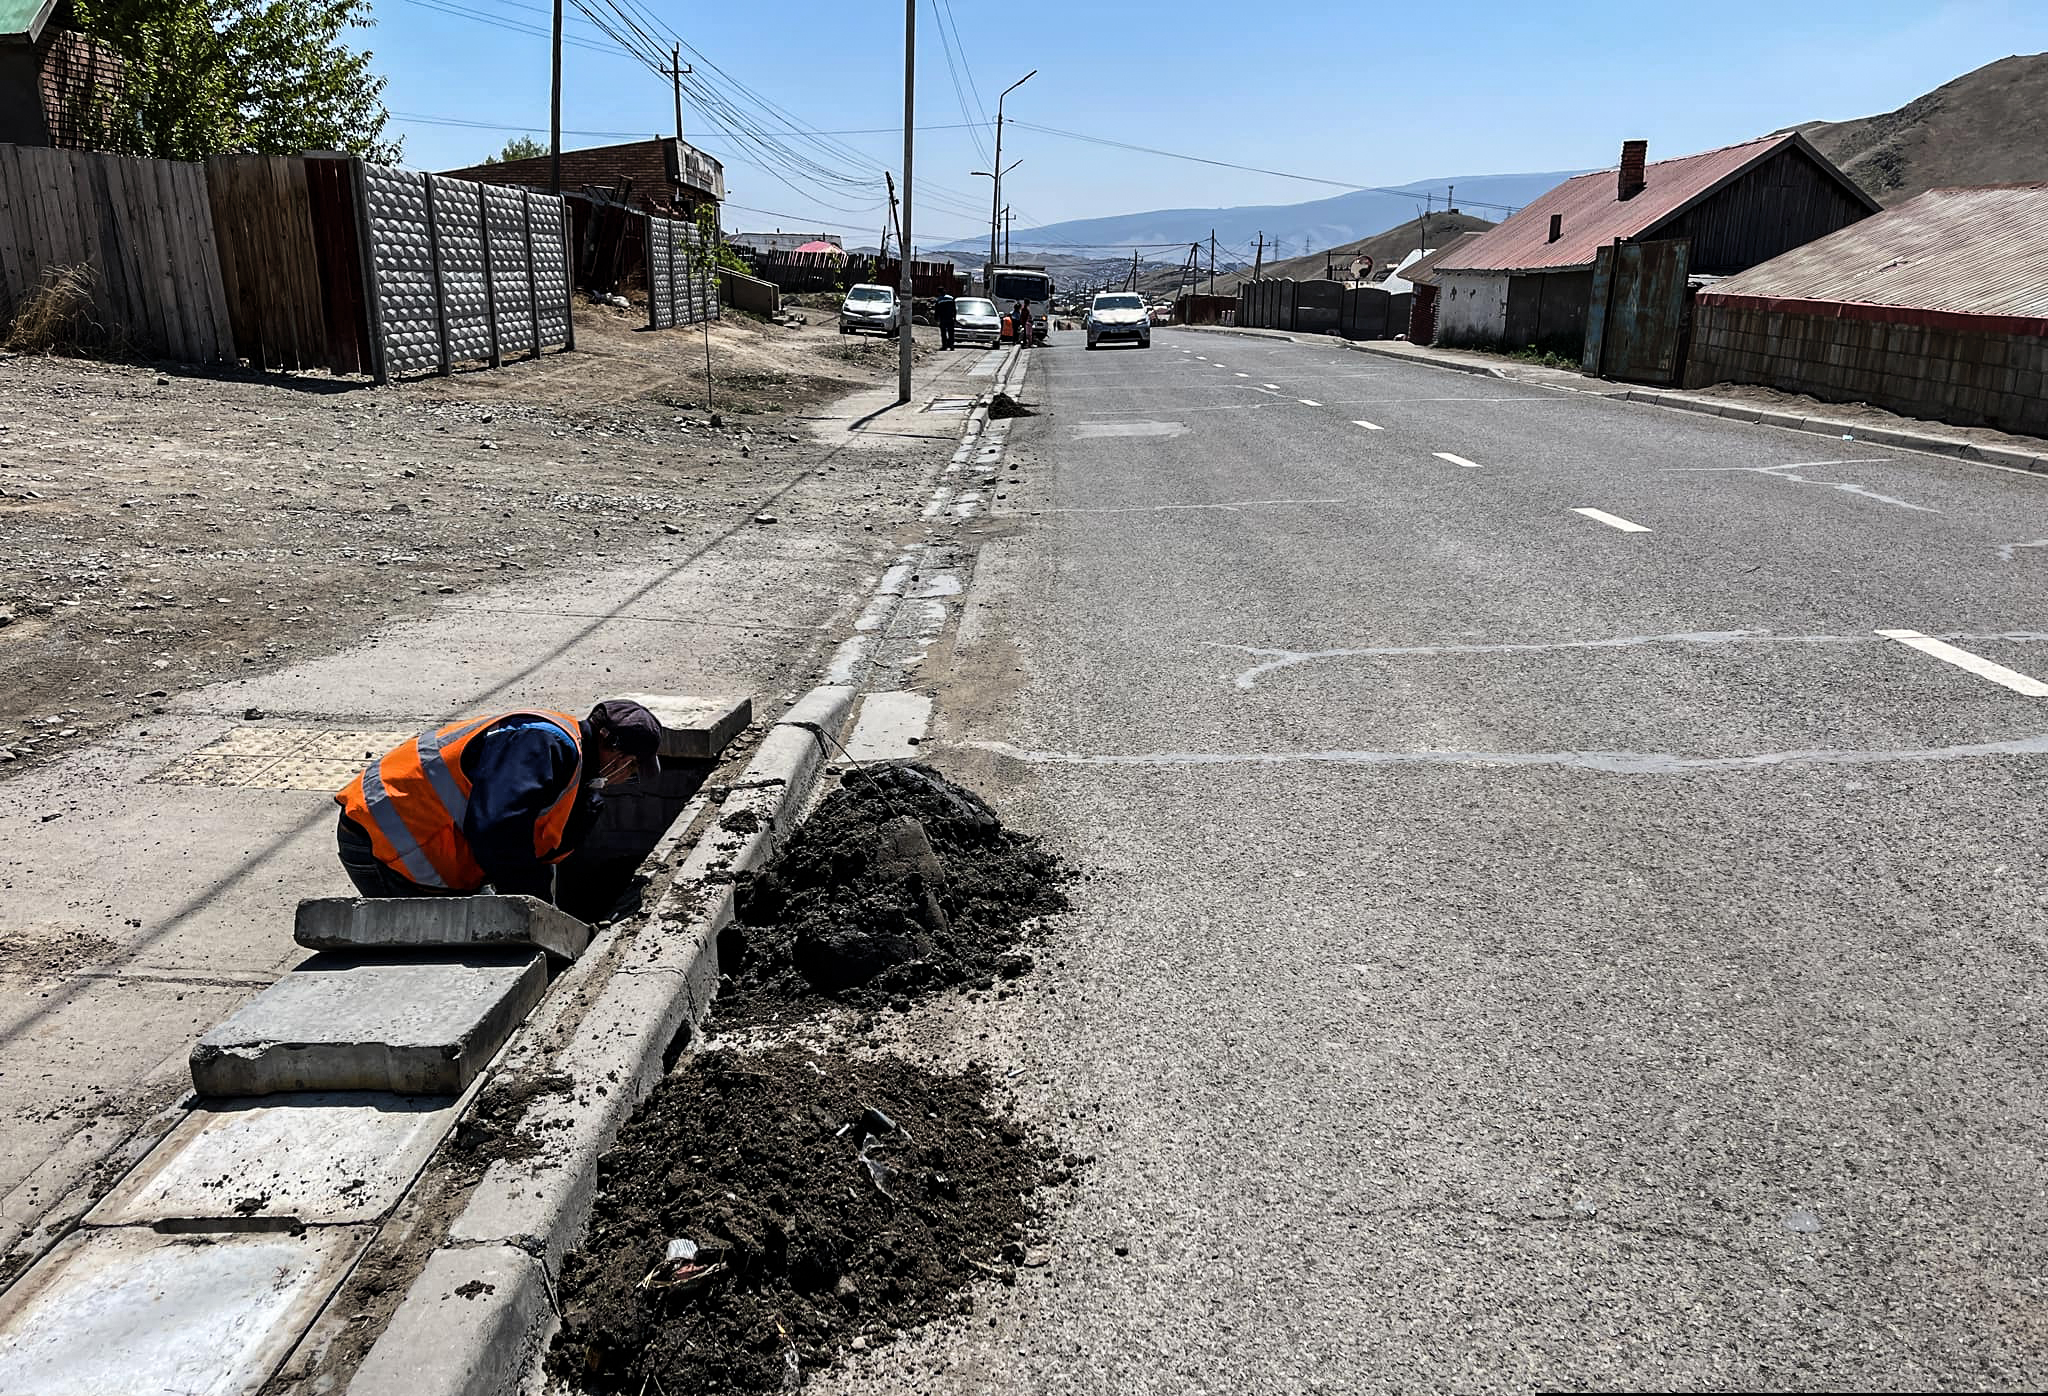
x,y
153,874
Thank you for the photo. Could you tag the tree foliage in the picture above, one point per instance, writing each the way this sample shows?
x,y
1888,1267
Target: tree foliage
x,y
218,77
518,148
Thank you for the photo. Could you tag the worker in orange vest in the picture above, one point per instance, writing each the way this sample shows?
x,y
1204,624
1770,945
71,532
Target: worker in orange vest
x,y
490,801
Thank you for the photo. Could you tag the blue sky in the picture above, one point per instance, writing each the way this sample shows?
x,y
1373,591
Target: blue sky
x,y
1348,92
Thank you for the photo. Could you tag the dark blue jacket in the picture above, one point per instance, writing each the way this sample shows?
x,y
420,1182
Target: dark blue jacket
x,y
518,769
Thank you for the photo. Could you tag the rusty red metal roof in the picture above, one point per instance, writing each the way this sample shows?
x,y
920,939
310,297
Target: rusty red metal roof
x,y
1593,217
1947,253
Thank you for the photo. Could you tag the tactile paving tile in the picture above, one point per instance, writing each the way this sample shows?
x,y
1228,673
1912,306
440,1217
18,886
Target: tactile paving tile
x,y
281,758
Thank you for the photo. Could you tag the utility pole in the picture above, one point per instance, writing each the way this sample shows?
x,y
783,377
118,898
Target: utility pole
x,y
1259,260
995,202
1009,217
677,71
555,110
1212,261
890,221
904,339
1450,198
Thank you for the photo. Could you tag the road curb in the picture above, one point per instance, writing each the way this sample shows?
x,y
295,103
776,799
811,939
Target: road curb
x,y
1976,452
1245,332
1482,370
663,974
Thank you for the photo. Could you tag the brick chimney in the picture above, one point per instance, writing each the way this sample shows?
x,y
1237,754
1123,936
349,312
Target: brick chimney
x,y
1630,181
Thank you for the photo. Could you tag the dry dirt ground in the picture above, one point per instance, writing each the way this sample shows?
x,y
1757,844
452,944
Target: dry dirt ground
x,y
164,528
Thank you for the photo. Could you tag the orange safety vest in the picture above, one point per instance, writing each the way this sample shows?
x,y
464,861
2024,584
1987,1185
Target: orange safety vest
x,y
412,801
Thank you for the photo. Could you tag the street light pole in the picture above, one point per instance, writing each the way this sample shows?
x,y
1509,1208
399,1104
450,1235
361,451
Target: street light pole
x,y
905,339
995,203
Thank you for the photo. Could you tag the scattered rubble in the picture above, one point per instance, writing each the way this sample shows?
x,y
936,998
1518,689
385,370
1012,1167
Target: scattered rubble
x,y
901,883
765,1212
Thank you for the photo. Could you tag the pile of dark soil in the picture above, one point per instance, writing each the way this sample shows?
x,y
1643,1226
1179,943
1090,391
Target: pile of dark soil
x,y
1002,407
902,882
764,1211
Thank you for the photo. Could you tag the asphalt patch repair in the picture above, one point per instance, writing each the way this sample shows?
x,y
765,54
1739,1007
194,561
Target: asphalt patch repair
x,y
765,1212
902,883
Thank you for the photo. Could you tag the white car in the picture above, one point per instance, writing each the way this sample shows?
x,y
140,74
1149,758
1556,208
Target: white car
x,y
1118,315
976,321
870,309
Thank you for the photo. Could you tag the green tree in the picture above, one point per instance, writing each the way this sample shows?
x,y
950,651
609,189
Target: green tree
x,y
518,148
218,77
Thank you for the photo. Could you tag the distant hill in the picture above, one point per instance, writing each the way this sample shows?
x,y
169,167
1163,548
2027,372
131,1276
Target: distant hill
x,y
1385,249
1987,127
1296,228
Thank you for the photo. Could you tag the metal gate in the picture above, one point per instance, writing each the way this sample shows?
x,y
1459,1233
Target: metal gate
x,y
1635,323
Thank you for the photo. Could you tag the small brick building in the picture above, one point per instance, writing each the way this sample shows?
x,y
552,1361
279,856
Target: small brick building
x,y
1937,308
53,79
664,176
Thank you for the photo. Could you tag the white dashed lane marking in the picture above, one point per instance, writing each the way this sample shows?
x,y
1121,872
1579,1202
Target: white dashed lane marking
x,y
1613,520
1369,426
1456,460
1976,664
1308,402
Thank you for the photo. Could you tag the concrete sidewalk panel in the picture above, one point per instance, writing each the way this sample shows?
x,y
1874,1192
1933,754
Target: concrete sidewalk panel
x,y
386,924
144,1314
415,1027
471,1325
314,1158
891,726
695,729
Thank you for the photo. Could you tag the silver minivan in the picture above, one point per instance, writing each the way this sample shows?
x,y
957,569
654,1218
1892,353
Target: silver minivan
x,y
870,309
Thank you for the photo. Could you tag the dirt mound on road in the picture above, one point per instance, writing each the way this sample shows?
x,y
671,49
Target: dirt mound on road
x,y
763,1212
901,882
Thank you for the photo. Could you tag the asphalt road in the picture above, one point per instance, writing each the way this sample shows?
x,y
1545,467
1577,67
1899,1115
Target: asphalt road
x,y
1518,952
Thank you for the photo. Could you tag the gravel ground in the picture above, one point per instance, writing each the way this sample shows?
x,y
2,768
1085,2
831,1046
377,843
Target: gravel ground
x,y
165,528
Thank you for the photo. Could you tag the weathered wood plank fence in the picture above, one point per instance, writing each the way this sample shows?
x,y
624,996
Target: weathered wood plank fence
x,y
142,233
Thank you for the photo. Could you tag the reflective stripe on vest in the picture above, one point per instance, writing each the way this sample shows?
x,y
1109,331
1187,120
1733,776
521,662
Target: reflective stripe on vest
x,y
444,783
393,828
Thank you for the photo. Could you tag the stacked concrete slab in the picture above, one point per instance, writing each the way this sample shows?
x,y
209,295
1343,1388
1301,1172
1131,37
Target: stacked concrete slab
x,y
321,1100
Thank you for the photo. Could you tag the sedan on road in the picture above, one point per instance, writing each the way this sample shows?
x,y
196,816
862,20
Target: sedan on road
x,y
1119,315
871,310
976,321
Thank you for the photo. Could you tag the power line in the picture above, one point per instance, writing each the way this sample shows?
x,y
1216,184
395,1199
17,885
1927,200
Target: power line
x,y
1229,165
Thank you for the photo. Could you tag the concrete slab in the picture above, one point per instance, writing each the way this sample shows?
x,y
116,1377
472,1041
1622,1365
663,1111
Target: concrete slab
x,y
145,1314
310,1157
696,729
377,924
471,1325
890,727
414,1027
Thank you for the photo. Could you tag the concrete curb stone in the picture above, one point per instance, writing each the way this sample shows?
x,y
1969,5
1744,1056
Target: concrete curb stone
x,y
1245,330
438,923
471,1325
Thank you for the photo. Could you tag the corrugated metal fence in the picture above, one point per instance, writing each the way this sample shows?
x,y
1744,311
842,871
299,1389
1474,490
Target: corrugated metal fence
x,y
290,262
682,285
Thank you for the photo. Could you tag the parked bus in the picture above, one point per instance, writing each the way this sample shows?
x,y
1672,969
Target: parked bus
x,y
1008,284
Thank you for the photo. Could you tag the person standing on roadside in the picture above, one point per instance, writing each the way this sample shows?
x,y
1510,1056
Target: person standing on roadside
x,y
1024,323
947,312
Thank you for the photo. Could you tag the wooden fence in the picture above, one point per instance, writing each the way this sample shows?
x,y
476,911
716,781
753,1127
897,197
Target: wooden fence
x,y
291,261
142,230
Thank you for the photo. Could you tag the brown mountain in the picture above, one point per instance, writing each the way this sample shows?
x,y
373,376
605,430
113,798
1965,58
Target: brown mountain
x,y
1385,249
1987,127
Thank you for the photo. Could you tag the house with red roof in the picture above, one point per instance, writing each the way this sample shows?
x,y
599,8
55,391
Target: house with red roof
x,y
1528,283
